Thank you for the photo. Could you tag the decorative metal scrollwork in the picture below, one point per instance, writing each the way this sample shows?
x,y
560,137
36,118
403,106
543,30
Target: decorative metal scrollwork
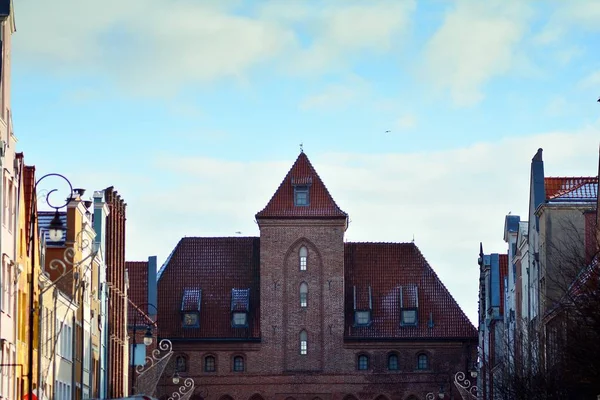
x,y
46,194
149,374
465,386
185,391
430,396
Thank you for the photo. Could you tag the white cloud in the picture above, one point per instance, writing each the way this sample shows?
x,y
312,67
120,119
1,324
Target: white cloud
x,y
406,121
338,95
154,47
449,200
591,81
476,42
569,16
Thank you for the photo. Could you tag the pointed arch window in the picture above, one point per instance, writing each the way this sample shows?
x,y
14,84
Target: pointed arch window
x,y
303,343
303,295
303,258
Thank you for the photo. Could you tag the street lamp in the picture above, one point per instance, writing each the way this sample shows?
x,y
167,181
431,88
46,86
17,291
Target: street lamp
x,y
55,232
432,396
176,378
148,337
474,371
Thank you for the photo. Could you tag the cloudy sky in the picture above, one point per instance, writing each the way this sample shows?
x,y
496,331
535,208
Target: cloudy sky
x,y
195,110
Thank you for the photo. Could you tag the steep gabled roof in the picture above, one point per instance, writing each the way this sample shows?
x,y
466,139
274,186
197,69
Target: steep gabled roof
x,y
321,204
571,188
392,270
215,267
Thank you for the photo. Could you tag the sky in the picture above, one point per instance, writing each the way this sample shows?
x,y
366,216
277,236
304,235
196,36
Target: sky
x,y
195,110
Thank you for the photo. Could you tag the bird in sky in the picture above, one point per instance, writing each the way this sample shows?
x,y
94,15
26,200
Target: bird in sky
x,y
391,131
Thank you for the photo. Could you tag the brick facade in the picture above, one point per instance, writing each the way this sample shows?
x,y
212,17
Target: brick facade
x,y
117,295
274,366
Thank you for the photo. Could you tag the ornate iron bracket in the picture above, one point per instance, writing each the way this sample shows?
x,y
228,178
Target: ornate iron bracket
x,y
466,389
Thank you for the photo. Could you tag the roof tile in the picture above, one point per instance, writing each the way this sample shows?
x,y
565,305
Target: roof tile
x,y
321,204
571,188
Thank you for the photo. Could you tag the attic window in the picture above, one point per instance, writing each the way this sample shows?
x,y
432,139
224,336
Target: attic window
x,y
190,308
240,306
363,304
301,195
409,305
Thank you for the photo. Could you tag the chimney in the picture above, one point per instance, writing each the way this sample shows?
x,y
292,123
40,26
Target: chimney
x,y
152,287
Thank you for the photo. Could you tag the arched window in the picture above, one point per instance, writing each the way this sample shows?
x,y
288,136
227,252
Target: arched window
x,y
422,361
210,364
238,364
303,343
180,364
393,362
362,362
303,258
303,294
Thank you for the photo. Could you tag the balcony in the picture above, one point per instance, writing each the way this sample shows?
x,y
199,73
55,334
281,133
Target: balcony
x,y
4,9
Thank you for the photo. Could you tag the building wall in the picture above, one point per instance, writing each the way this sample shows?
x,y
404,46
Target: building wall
x,y
118,354
9,189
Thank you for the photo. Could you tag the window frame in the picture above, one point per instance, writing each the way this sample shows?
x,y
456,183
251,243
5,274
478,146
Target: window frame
x,y
421,356
194,313
185,363
302,189
360,357
389,358
303,256
303,295
356,319
233,321
408,310
303,343
205,363
234,365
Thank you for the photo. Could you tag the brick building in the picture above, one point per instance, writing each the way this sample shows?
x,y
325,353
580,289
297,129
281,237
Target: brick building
x,y
298,313
116,281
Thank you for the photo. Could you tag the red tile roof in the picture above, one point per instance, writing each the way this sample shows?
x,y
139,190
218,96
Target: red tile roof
x,y
580,188
137,272
388,267
321,204
216,266
503,260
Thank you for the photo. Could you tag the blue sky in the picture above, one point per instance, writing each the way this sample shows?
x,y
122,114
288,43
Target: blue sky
x,y
195,110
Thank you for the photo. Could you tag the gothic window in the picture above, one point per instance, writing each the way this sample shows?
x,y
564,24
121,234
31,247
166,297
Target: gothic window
x,y
303,295
210,364
303,258
422,361
303,343
362,362
238,364
393,362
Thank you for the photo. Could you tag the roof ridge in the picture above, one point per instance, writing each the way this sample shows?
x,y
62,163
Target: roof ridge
x,y
320,204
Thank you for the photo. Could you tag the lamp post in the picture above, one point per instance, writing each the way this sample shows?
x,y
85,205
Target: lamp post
x,y
56,231
432,396
148,337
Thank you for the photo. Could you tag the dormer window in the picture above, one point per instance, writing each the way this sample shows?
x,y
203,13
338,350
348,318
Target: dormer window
x,y
363,304
240,306
301,195
190,308
409,305
302,190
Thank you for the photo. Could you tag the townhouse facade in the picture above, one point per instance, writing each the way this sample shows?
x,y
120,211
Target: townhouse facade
x,y
545,256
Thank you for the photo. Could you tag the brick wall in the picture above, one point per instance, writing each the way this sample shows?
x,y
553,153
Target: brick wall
x,y
117,292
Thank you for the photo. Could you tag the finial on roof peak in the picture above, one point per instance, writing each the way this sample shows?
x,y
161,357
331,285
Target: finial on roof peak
x,y
301,147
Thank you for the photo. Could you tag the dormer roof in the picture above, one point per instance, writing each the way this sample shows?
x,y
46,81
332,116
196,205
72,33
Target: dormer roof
x,y
321,204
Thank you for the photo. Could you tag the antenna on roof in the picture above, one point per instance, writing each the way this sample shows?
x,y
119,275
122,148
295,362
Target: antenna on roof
x,y
413,238
238,233
301,147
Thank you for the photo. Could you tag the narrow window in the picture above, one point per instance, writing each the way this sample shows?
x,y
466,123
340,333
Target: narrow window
x,y
303,343
363,363
238,364
180,364
303,258
393,362
209,364
303,295
240,319
422,361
